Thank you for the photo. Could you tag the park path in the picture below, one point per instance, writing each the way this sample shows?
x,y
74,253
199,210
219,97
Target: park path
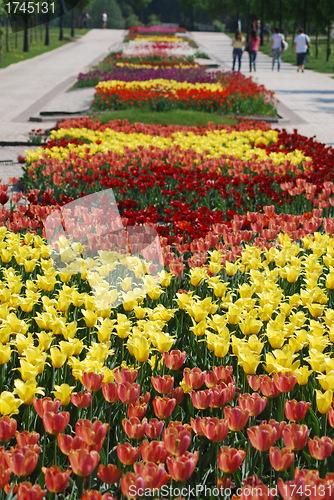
x,y
306,99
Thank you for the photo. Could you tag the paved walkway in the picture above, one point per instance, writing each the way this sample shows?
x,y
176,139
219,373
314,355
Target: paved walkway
x,y
307,99
26,88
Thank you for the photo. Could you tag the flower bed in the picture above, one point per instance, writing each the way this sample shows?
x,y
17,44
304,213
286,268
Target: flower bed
x,y
214,382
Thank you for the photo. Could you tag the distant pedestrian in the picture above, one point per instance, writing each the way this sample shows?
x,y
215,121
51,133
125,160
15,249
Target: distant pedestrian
x,y
85,19
104,20
277,45
266,31
301,45
253,47
237,44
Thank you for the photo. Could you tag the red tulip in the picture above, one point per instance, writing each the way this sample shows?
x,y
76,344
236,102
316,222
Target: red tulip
x,y
132,485
21,460
281,458
92,381
110,392
154,475
296,410
7,428
181,468
254,403
67,443
127,454
83,462
285,381
163,407
82,399
176,441
236,417
154,428
93,433
202,399
46,405
163,384
125,375
109,474
153,451
214,428
295,436
26,438
134,428
230,459
137,409
194,378
55,423
128,392
321,448
174,359
262,436
27,491
56,480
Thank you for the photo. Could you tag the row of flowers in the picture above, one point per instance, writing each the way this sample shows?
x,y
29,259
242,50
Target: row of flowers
x,y
269,313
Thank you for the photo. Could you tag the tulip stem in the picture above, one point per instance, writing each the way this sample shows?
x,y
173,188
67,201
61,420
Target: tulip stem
x,y
55,449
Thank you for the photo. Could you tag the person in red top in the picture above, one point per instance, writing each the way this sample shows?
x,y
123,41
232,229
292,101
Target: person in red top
x,y
254,43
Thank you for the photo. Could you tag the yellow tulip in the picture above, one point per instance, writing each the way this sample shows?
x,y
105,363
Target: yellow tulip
x,y
57,358
63,392
5,353
26,391
326,381
90,317
323,400
9,405
139,347
162,341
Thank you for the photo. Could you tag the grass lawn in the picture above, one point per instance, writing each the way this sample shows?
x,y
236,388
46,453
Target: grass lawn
x,y
36,43
173,117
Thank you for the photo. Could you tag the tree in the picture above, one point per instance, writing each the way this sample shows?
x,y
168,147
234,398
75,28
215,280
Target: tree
x,y
141,5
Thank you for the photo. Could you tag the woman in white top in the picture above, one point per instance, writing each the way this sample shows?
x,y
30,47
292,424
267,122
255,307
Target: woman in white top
x,y
276,48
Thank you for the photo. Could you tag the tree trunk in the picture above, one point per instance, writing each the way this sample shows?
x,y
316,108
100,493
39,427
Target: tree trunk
x,y
61,21
1,32
26,33
47,30
328,48
7,35
72,24
316,42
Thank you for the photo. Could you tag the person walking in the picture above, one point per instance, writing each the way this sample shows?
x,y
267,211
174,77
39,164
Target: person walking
x,y
253,47
237,45
301,45
277,40
104,20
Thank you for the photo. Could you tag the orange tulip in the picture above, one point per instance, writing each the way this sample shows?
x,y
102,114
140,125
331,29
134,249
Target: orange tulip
x,y
262,436
154,428
285,381
236,417
83,462
7,428
109,474
55,423
176,441
321,447
110,392
253,403
163,407
296,410
194,378
230,459
137,409
174,359
163,384
22,460
181,468
295,436
56,480
128,392
45,405
127,454
214,428
134,428
281,458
